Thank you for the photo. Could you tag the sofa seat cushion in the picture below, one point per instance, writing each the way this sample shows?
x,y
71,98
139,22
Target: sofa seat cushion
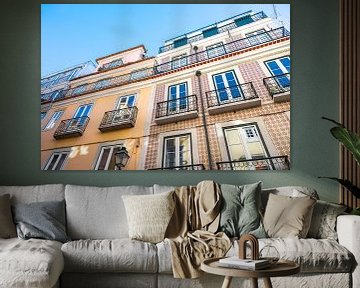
x,y
115,255
313,255
30,263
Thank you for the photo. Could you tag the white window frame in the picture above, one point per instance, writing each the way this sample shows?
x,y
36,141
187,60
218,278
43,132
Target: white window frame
x,y
54,118
278,62
111,147
82,114
59,154
117,106
177,150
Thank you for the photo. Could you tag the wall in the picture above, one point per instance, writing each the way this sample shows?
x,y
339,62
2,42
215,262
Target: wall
x,y
315,62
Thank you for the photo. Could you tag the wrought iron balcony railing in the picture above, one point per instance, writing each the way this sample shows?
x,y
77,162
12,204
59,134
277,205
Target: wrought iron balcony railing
x,y
239,93
117,119
71,127
183,167
223,49
215,29
176,106
277,84
175,64
268,163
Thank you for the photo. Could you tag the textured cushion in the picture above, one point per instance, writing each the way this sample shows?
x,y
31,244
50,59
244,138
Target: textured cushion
x,y
44,220
240,213
323,222
31,263
98,213
149,215
287,216
118,255
35,193
313,255
7,227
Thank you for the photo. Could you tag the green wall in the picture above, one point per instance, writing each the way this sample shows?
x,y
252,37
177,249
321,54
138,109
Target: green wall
x,y
315,62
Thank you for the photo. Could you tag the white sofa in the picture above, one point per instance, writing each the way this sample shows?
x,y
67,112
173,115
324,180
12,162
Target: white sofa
x,y
101,255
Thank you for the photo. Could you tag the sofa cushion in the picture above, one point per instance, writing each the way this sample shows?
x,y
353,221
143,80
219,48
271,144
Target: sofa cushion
x,y
323,222
7,226
291,191
30,263
287,216
117,255
35,193
98,213
42,220
149,215
240,210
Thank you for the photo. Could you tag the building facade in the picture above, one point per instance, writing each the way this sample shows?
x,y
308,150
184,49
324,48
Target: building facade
x,y
223,100
215,98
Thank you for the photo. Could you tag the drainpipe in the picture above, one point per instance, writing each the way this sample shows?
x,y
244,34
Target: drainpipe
x,y
198,74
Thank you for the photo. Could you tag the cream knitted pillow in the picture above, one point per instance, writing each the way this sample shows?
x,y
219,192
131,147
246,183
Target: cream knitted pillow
x,y
149,215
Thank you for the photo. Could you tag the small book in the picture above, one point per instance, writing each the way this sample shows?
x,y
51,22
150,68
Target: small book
x,y
236,262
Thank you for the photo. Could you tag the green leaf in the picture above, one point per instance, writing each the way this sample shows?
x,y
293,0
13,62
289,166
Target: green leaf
x,y
347,184
349,139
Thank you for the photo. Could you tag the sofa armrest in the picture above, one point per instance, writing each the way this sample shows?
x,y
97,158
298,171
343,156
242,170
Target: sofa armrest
x,y
348,230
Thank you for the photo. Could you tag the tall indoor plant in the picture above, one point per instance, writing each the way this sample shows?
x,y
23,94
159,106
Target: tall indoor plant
x,y
351,141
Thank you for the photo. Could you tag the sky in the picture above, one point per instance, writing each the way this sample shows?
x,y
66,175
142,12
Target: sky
x,y
75,33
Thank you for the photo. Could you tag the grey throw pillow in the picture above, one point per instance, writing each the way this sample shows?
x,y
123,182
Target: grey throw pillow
x,y
7,226
44,220
323,222
240,213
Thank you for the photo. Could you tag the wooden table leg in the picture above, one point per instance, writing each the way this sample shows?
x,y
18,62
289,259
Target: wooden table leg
x,y
254,282
267,283
227,282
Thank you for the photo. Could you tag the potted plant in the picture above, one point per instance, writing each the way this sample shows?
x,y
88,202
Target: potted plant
x,y
351,141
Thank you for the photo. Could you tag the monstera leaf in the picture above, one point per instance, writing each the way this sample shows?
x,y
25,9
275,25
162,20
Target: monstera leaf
x,y
348,138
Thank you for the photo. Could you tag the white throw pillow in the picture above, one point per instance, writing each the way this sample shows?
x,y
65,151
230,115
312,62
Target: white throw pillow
x,y
149,215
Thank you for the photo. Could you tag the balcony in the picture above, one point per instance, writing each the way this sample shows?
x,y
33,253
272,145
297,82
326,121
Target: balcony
x,y
223,49
183,167
278,87
232,98
269,163
211,30
71,127
118,119
176,110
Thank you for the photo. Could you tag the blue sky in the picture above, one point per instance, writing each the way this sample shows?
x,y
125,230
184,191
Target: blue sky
x,y
75,33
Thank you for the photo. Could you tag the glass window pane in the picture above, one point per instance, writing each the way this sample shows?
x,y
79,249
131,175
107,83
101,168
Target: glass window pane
x,y
237,152
61,161
53,161
104,158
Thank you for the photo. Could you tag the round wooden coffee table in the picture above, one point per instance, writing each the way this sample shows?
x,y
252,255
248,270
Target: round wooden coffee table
x,y
281,268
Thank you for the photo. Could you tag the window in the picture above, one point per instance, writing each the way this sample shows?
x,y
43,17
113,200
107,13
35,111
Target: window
x,y
55,117
43,114
80,116
139,74
106,160
279,67
125,102
258,37
227,86
177,97
210,32
244,143
215,50
56,161
177,151
179,61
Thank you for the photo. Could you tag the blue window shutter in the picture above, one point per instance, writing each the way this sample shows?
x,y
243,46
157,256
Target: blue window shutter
x,y
243,20
210,32
220,87
235,92
180,42
131,101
